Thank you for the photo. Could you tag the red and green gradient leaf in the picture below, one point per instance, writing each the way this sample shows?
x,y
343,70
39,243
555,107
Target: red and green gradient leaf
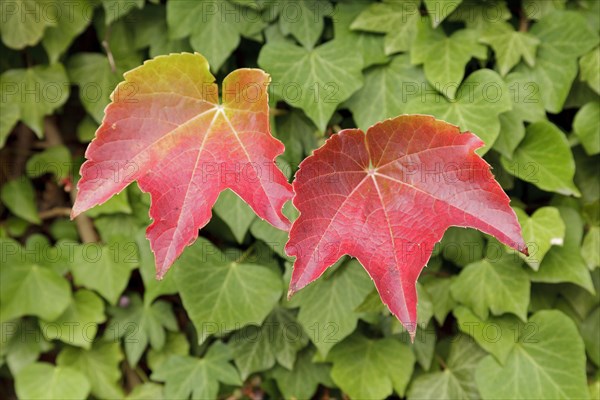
x,y
386,197
166,130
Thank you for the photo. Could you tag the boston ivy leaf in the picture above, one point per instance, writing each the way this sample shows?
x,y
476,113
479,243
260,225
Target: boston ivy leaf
x,y
510,46
302,381
105,269
45,381
198,377
95,77
565,263
398,20
235,212
386,91
139,324
371,369
564,36
304,20
496,335
456,380
257,348
314,80
72,19
327,308
28,287
216,146
100,365
23,23
47,87
18,195
221,295
589,65
498,286
587,127
544,229
370,45
479,100
444,58
78,324
548,362
369,196
544,158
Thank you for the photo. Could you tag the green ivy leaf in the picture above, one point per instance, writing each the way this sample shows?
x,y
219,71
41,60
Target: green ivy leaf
x,y
479,15
479,100
78,324
23,23
444,57
547,362
19,196
304,20
589,333
565,263
386,91
512,131
54,160
441,298
541,231
564,36
200,377
29,287
398,20
298,134
176,344
496,335
236,213
590,246
279,338
371,369
589,65
587,127
302,381
10,116
510,46
22,343
544,158
47,88
370,45
72,19
100,365
45,381
147,391
153,287
438,10
222,295
117,9
314,80
151,31
139,324
327,308
493,285
105,269
96,79
456,379
537,9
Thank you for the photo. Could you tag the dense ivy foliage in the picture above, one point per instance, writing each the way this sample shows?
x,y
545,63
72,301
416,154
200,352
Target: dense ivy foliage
x,y
82,315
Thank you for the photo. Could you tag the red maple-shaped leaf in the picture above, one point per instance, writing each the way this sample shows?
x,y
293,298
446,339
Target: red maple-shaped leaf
x,y
386,197
166,130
